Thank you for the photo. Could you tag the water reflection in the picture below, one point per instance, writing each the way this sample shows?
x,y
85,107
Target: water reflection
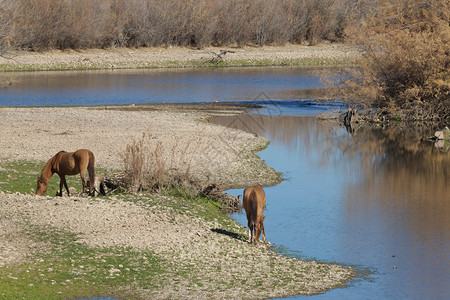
x,y
378,198
400,169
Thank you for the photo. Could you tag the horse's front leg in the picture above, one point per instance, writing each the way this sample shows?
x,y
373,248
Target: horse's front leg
x,y
264,235
59,194
65,185
62,179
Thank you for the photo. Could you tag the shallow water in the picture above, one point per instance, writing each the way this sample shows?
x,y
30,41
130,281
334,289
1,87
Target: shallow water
x,y
378,200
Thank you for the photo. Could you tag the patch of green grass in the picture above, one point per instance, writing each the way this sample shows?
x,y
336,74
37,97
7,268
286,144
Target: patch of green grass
x,y
71,269
207,209
446,138
20,176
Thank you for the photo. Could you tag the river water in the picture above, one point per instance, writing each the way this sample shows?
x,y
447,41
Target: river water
x,y
378,200
150,86
375,199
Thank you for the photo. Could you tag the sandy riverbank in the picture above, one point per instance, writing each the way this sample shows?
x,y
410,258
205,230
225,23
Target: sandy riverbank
x,y
177,57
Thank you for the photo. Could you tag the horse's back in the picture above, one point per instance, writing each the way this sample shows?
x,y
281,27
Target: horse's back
x,y
260,196
71,163
83,154
84,158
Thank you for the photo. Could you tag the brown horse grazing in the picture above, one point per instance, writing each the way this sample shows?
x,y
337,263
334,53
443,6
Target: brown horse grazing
x,y
254,202
67,163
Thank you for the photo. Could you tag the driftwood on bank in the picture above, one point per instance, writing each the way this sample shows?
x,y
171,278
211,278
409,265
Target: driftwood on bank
x,y
351,120
119,181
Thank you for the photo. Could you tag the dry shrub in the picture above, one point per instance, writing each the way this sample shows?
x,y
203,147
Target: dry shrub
x,y
42,24
406,63
150,165
47,24
147,167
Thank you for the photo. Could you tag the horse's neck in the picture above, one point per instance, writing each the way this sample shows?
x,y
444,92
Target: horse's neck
x,y
47,171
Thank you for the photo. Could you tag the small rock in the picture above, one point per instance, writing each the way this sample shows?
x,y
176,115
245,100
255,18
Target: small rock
x,y
439,135
439,144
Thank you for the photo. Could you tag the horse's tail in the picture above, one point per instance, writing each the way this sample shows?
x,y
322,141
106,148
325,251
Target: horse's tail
x,y
253,205
91,170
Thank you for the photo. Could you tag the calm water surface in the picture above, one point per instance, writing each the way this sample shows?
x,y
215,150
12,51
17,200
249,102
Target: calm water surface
x,y
149,86
378,200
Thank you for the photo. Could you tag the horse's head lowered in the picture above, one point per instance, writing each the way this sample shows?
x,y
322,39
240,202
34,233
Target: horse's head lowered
x,y
41,186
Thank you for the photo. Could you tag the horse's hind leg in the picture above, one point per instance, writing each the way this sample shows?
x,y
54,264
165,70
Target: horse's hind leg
x,y
91,180
250,231
90,168
264,234
83,181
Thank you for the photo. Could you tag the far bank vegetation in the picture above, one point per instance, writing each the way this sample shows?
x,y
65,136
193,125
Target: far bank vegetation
x,y
62,24
405,67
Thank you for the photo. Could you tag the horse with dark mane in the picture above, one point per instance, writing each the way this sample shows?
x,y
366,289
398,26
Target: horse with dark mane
x,y
68,163
254,202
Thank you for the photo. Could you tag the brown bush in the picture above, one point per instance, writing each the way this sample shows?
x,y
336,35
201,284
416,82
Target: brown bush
x,y
145,165
150,166
45,24
406,63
